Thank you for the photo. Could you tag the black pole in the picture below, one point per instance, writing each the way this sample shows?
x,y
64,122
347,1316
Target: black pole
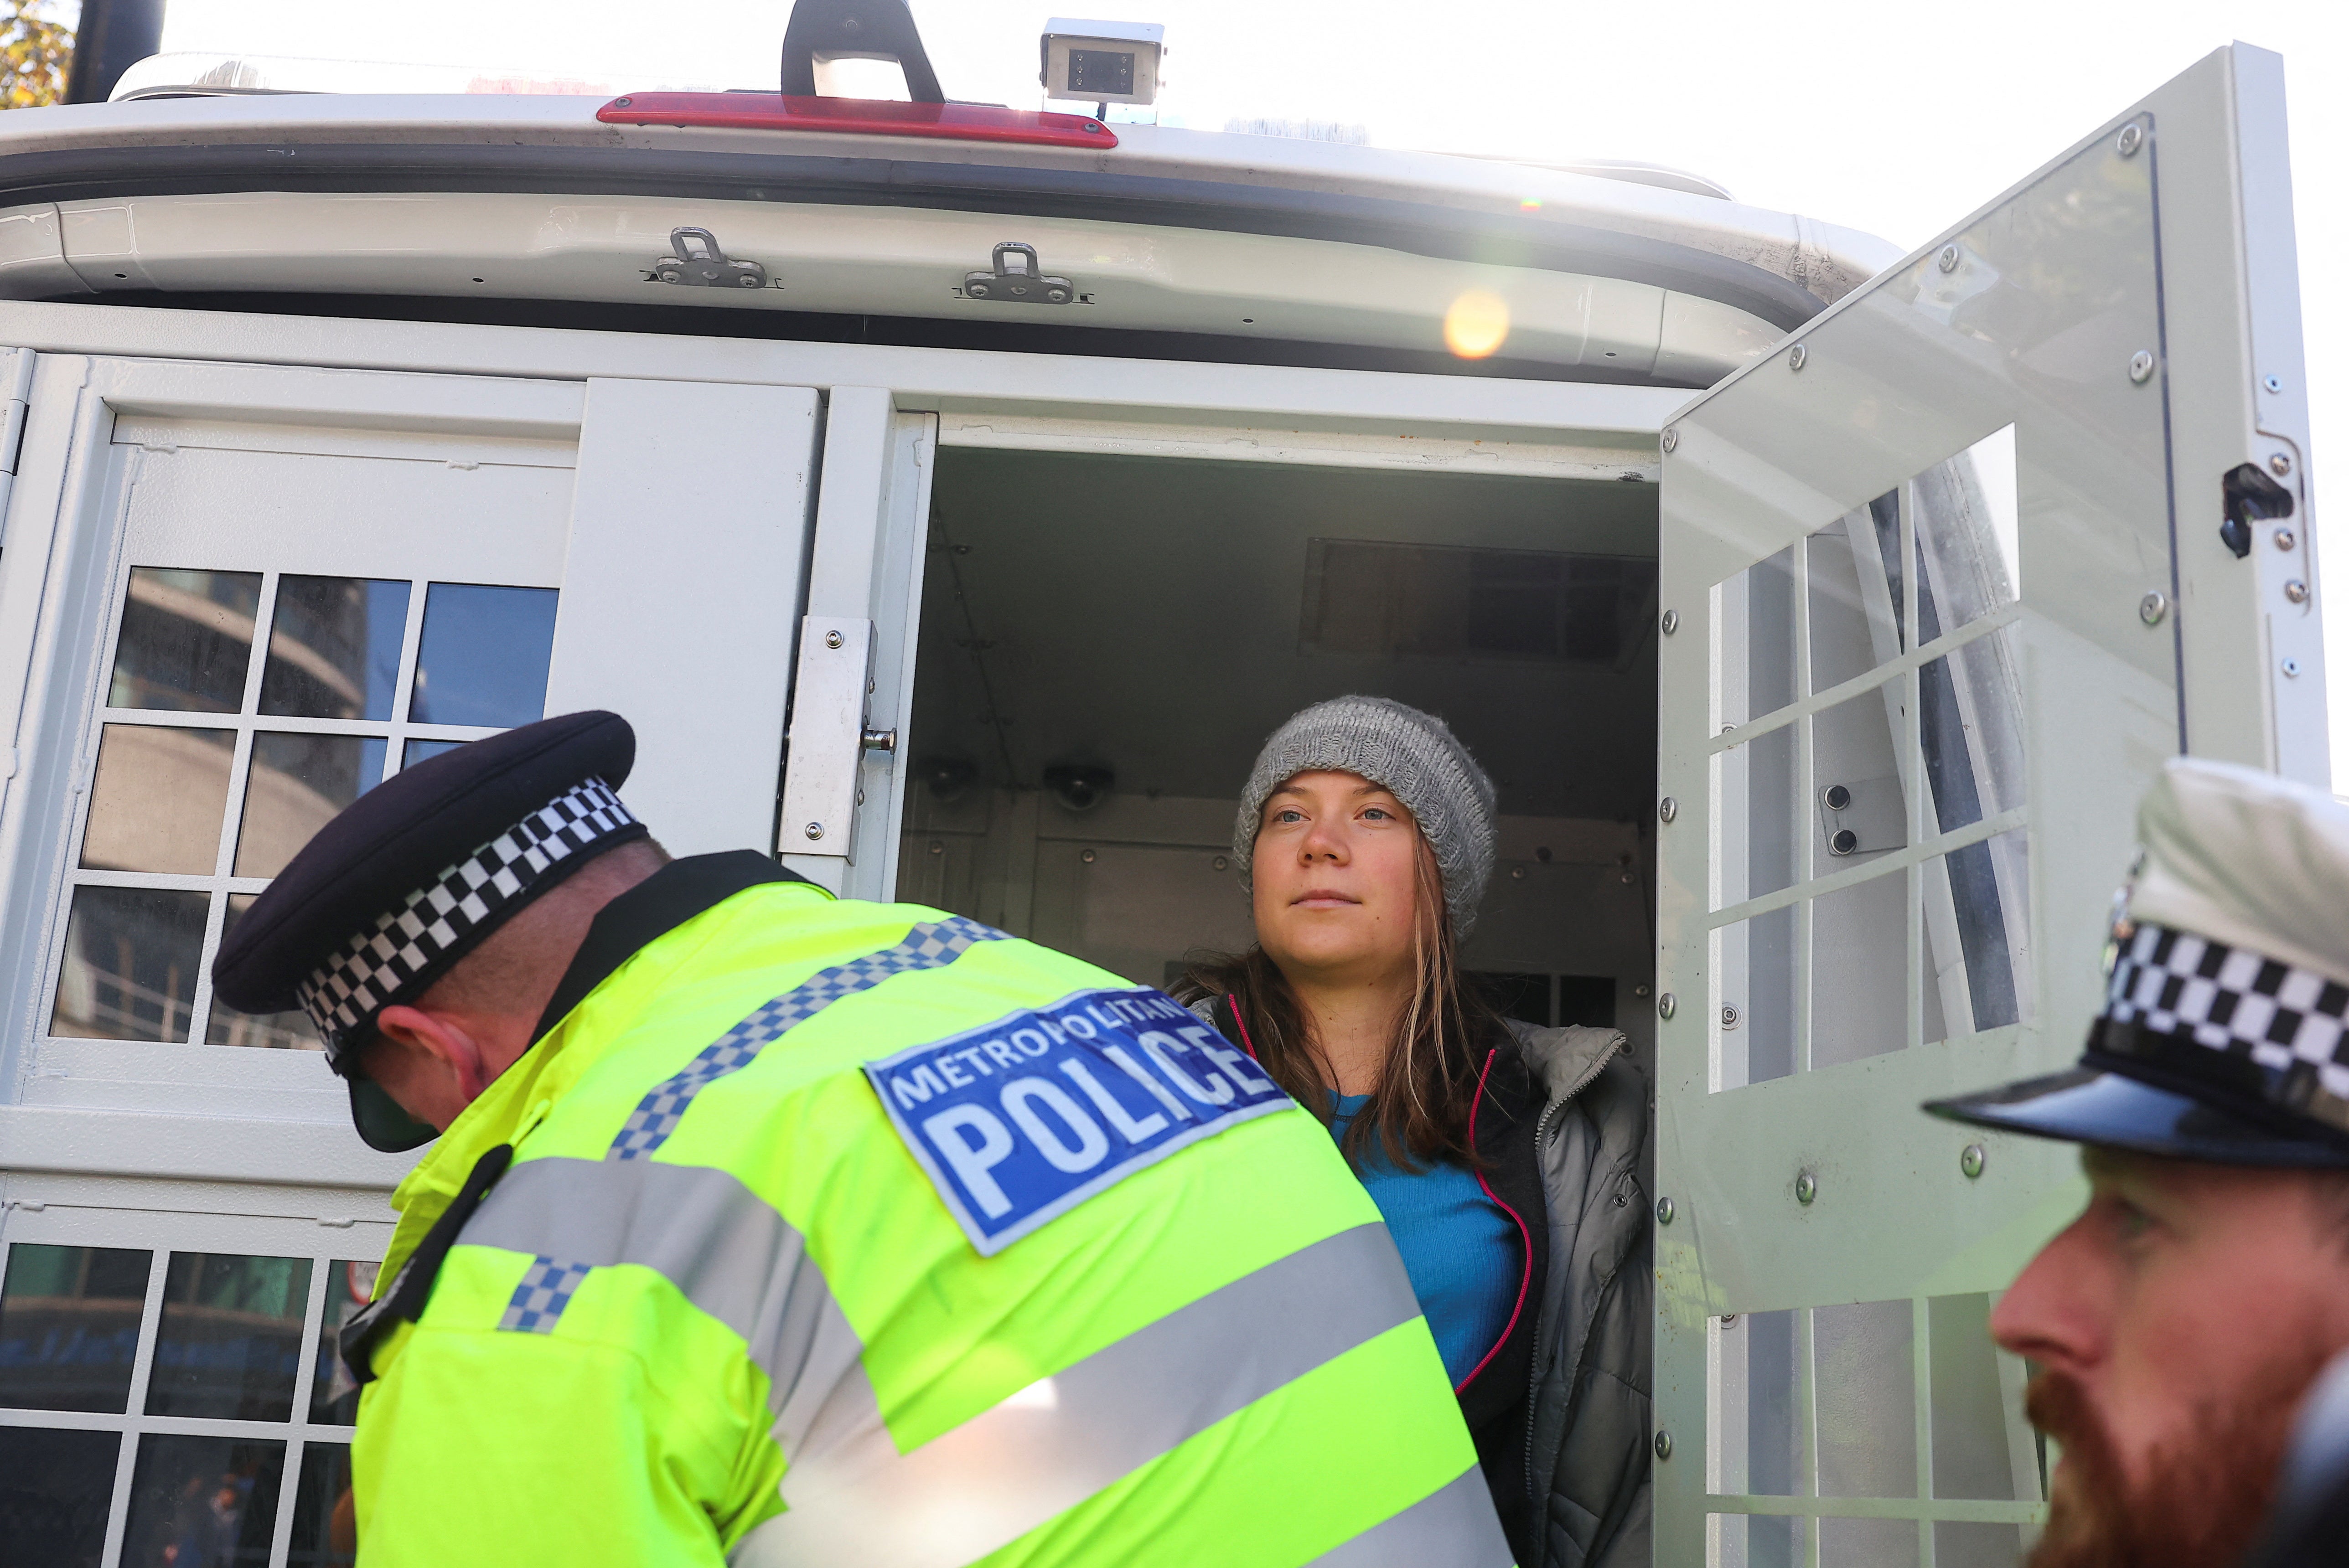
x,y
113,34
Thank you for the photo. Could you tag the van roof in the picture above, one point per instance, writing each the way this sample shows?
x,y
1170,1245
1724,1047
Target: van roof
x,y
1464,218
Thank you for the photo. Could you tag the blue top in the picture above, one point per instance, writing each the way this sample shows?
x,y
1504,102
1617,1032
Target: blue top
x,y
1459,1247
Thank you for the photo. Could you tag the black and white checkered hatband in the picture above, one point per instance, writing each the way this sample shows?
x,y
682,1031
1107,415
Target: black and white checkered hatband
x,y
2240,1022
436,922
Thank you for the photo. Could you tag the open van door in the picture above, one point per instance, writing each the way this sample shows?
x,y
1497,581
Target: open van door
x,y
1944,578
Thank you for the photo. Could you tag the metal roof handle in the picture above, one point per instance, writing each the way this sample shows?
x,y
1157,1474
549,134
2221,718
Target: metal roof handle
x,y
820,31
1019,278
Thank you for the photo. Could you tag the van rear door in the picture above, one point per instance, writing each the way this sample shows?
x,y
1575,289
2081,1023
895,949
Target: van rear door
x,y
1944,578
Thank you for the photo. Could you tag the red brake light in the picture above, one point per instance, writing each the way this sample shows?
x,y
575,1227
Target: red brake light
x,y
774,111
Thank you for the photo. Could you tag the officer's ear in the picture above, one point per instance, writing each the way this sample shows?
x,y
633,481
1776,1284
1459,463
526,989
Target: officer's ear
x,y
430,1061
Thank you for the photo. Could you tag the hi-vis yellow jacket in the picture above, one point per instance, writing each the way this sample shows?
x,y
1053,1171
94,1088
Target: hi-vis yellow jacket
x,y
847,1234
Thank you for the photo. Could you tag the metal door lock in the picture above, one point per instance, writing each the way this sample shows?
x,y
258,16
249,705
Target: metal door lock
x,y
699,264
1019,278
2247,498
831,731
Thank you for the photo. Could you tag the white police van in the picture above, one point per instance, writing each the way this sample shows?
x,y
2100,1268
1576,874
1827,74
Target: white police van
x,y
954,497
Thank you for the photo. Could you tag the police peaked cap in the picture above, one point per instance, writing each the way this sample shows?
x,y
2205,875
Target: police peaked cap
x,y
416,872
2224,1033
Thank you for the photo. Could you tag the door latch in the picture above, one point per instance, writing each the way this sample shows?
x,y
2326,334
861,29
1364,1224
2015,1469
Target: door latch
x,y
2248,496
829,734
699,264
1019,278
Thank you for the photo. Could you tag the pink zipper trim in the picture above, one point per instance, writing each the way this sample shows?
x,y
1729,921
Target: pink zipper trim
x,y
1524,1236
1249,1045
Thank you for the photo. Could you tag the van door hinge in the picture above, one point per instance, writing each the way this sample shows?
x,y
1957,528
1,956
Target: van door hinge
x,y
699,264
1017,278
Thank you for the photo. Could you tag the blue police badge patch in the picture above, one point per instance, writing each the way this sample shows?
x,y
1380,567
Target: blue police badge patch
x,y
1020,1120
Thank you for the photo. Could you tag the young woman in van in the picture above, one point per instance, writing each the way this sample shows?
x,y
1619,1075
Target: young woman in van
x,y
1505,1158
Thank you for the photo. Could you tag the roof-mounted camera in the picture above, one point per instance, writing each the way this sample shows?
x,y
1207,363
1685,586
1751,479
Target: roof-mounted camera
x,y
1106,62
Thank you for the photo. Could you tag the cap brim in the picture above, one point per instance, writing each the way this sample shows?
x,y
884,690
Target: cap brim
x,y
381,1124
2087,1105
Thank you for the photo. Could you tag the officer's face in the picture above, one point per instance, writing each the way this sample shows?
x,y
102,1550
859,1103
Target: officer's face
x,y
1336,872
2176,1325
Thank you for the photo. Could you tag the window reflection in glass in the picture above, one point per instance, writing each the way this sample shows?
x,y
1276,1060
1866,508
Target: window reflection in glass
x,y
186,640
333,1392
1958,1544
1977,967
69,1326
418,751
1754,795
202,1499
129,970
1868,1542
231,1336
54,1490
156,801
1754,965
1855,599
325,1481
288,1031
483,657
1758,1540
1982,1445
1755,619
296,785
1860,955
333,648
1968,536
1969,707
1864,1358
1762,1449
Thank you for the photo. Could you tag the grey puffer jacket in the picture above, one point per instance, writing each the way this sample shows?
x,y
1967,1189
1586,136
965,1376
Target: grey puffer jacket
x,y
1585,1454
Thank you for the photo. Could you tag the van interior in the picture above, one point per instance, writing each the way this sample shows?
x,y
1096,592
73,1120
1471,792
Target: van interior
x,y
1106,640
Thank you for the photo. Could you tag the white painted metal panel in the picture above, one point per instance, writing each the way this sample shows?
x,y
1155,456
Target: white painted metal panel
x,y
686,544
1957,540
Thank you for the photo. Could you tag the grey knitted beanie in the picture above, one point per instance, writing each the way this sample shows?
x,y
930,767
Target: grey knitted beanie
x,y
1410,753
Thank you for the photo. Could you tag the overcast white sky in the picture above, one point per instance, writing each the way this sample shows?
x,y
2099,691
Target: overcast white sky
x,y
1896,118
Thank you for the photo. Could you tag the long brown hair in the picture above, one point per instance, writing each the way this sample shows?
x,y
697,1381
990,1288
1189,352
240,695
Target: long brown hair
x,y
1420,1110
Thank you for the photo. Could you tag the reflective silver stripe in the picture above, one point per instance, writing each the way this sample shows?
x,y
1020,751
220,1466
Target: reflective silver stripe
x,y
1454,1525
723,1247
1063,1439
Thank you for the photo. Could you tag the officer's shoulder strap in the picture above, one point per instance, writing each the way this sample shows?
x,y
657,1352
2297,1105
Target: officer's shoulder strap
x,y
411,1288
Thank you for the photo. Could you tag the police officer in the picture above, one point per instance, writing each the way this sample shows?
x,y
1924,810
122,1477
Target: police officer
x,y
2179,1323
772,1228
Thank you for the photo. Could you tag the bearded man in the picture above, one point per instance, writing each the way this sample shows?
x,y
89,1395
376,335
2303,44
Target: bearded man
x,y
2179,1324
